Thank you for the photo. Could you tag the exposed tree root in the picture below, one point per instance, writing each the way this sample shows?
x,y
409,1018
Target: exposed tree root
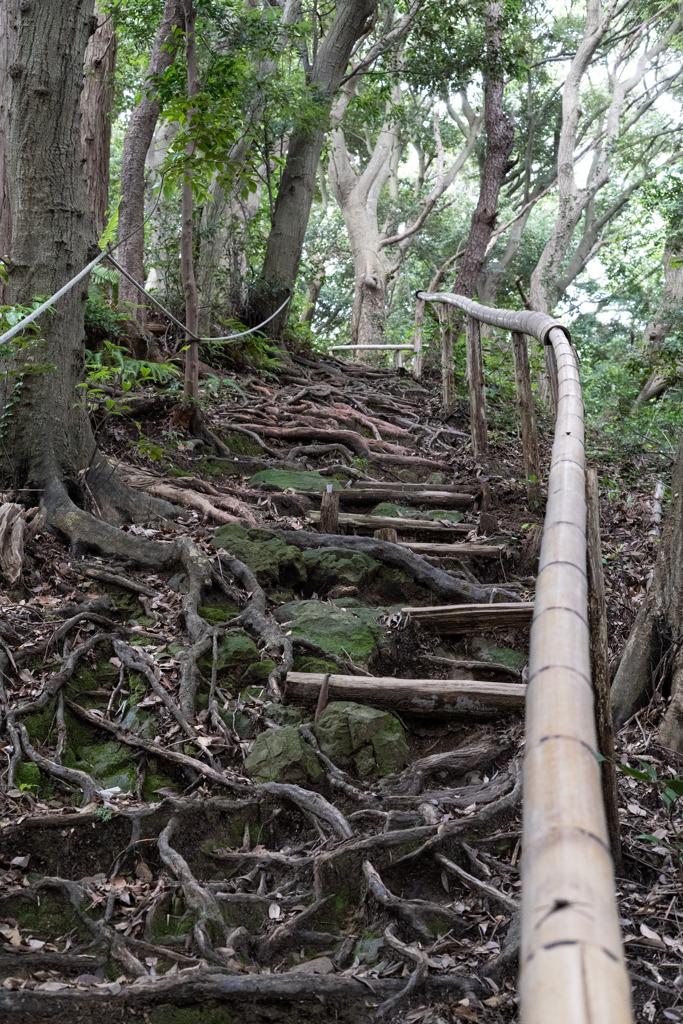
x,y
414,913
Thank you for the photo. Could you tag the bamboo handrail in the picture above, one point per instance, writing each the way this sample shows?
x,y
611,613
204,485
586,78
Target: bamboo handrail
x,y
572,969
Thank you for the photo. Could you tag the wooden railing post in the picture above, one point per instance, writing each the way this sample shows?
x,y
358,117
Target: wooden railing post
x,y
527,419
418,337
475,362
447,358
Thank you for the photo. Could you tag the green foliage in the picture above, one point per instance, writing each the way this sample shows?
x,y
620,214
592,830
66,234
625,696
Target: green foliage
x,y
113,365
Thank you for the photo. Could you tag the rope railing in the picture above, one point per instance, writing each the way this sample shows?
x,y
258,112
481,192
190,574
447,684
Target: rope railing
x,y
19,327
572,969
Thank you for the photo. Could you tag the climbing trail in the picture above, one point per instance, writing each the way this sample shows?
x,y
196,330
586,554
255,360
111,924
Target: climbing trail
x,y
286,780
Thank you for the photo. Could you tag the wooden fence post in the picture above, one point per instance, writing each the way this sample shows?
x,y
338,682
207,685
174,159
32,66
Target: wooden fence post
x,y
475,362
329,511
447,357
527,419
418,337
597,623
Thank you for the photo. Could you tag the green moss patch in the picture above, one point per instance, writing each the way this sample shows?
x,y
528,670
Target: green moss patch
x,y
273,562
352,632
484,650
281,755
296,480
355,736
329,567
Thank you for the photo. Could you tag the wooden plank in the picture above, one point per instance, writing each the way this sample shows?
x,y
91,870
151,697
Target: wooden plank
x,y
456,550
369,522
399,485
421,697
433,497
450,619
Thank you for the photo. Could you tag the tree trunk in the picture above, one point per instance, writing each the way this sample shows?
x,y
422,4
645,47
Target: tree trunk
x,y
662,323
295,195
9,13
653,648
96,103
191,391
137,141
48,444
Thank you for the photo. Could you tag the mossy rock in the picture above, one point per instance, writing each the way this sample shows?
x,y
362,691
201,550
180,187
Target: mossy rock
x,y
355,736
38,726
343,631
284,715
258,672
139,721
155,779
216,613
389,508
296,480
329,567
112,764
237,655
29,778
393,586
304,663
273,562
450,515
281,755
484,650
242,444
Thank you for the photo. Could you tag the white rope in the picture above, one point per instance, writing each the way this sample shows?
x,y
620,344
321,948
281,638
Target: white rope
x,y
18,328
13,331
228,337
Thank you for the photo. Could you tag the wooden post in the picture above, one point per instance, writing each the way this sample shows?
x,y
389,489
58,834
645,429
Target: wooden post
x,y
329,511
597,622
447,357
475,362
418,337
527,419
387,533
398,359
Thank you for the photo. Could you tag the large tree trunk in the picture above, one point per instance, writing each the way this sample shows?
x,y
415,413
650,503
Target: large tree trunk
x,y
48,445
653,653
96,103
138,139
9,12
668,312
191,390
295,195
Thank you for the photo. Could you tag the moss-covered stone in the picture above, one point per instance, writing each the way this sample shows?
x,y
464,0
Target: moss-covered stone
x,y
155,779
389,508
450,515
484,650
273,562
296,480
284,715
353,735
27,775
329,567
343,631
111,764
216,613
237,658
302,663
38,726
280,755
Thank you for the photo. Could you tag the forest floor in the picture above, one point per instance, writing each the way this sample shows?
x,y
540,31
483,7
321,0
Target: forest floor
x,y
233,844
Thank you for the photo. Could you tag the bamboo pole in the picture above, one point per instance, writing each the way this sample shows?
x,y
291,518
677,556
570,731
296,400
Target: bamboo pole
x,y
527,420
572,969
597,621
475,362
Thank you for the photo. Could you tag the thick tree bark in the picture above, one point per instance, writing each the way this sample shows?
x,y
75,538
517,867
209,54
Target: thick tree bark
x,y
47,442
653,648
96,103
9,13
138,139
295,196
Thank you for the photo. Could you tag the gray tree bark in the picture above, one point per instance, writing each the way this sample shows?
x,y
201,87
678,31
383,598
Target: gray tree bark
x,y
668,312
47,443
295,195
96,104
137,141
9,13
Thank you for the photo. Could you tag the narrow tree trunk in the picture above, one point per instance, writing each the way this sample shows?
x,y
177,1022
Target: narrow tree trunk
x,y
478,425
652,655
295,195
662,323
9,13
96,104
313,289
137,141
527,420
191,391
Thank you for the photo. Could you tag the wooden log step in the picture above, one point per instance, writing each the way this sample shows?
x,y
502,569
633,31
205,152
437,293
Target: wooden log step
x,y
433,497
450,619
364,521
452,698
456,550
399,485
